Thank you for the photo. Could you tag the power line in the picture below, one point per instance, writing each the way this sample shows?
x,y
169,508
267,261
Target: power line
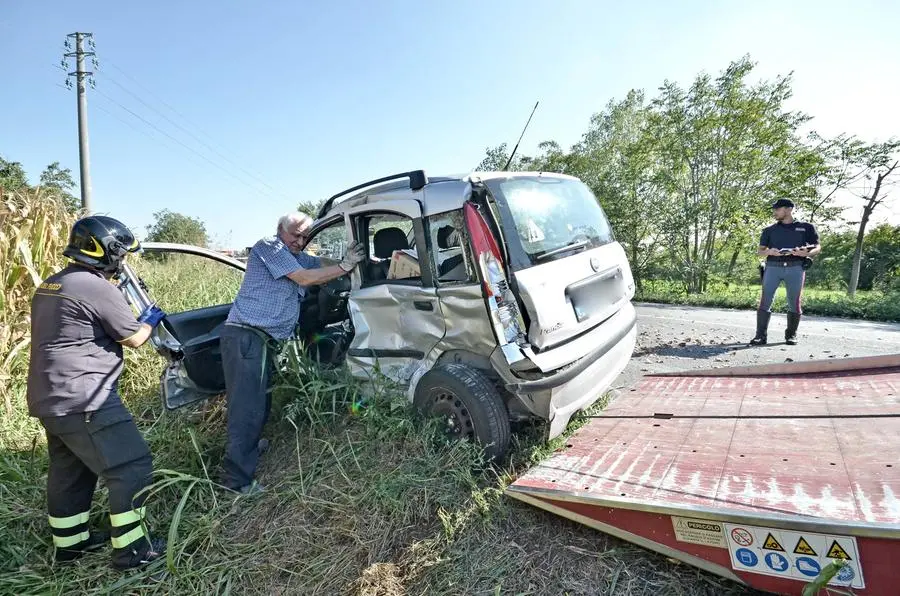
x,y
188,147
186,119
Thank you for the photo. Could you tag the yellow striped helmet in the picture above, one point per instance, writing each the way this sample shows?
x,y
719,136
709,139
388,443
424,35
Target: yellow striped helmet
x,y
100,242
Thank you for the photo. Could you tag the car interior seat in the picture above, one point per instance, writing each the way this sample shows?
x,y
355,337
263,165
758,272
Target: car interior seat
x,y
453,268
386,241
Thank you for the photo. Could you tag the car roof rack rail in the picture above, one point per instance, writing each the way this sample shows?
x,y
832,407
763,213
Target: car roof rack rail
x,y
417,181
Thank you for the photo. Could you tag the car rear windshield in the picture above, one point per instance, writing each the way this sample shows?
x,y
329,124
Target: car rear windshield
x,y
553,217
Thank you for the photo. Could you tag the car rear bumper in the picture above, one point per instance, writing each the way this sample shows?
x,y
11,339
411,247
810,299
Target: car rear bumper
x,y
619,327
556,398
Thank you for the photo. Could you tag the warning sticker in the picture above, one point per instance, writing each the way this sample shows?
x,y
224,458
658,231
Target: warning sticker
x,y
699,531
757,549
742,536
836,552
803,548
771,543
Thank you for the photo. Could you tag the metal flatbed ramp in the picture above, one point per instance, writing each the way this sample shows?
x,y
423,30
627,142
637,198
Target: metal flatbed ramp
x,y
763,475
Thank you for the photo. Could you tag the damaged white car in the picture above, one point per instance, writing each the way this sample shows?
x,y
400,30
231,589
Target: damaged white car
x,y
492,297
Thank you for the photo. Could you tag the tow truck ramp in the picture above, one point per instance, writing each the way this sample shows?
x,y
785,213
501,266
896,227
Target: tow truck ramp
x,y
760,474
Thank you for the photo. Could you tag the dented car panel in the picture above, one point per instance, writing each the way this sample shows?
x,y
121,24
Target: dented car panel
x,y
468,327
588,386
569,297
396,327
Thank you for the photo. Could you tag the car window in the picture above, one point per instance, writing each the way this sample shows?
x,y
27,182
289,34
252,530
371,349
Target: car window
x,y
552,217
449,250
390,257
180,282
330,242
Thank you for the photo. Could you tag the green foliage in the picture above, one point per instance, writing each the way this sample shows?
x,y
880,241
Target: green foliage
x,y
55,182
311,208
12,175
687,177
874,305
169,226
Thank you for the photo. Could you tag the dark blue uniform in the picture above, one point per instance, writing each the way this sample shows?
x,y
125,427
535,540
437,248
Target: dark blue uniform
x,y
787,268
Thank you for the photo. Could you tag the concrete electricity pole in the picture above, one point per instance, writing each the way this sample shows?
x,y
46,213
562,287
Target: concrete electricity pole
x,y
81,75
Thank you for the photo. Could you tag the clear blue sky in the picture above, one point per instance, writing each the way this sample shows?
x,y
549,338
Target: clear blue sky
x,y
312,99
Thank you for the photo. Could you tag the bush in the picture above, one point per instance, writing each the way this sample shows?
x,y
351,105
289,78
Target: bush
x,y
874,305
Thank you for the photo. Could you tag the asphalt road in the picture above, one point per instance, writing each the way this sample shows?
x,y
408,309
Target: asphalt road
x,y
672,338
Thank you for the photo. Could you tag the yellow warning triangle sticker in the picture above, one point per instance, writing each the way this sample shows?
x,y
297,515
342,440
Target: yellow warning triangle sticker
x,y
803,548
772,544
837,552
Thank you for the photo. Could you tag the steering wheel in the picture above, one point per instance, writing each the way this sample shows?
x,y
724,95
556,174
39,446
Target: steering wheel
x,y
333,299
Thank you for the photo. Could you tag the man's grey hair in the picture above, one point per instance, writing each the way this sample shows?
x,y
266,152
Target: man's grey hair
x,y
291,218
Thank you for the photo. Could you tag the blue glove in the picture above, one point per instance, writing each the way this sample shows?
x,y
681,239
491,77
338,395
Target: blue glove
x,y
152,315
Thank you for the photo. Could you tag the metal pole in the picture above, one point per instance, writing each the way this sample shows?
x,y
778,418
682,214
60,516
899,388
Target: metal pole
x,y
83,152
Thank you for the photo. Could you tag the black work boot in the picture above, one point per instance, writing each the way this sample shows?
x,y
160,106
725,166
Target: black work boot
x,y
790,334
97,540
762,327
140,555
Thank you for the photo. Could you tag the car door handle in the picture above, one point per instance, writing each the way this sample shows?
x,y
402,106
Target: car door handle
x,y
423,304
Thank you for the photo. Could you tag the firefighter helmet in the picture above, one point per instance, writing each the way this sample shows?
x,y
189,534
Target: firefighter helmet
x,y
101,243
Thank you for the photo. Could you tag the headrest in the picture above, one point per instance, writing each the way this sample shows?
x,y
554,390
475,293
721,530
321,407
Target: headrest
x,y
447,237
387,240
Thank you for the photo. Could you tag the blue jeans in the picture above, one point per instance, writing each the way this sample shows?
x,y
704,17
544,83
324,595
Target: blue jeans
x,y
793,277
247,360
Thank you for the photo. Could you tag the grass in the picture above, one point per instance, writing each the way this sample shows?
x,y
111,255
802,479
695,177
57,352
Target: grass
x,y
366,502
357,503
875,306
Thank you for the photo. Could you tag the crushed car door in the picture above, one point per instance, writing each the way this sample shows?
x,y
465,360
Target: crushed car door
x,y
188,340
394,305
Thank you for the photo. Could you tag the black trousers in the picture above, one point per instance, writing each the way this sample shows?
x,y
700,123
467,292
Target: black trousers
x,y
248,363
83,447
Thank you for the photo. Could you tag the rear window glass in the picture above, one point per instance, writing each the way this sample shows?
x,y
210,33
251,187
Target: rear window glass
x,y
553,217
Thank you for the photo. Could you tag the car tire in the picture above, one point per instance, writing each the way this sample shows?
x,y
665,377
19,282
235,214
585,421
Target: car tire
x,y
469,402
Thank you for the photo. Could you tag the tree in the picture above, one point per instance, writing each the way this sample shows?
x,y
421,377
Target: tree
x,y
726,149
59,181
54,181
12,175
311,208
175,227
878,160
615,159
495,159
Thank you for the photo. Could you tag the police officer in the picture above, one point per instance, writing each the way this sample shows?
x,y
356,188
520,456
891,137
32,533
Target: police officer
x,y
79,323
787,245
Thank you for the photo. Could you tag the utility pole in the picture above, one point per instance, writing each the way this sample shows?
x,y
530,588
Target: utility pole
x,y
81,75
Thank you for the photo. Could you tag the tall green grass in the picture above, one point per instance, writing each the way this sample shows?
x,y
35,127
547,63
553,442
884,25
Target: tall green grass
x,y
369,501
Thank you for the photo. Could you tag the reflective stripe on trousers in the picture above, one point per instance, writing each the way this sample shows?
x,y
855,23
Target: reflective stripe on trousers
x,y
128,527
69,531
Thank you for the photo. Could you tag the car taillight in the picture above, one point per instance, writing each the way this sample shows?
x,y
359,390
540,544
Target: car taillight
x,y
505,315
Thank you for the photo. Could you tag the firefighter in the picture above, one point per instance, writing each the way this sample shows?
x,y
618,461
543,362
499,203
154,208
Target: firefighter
x,y
79,323
787,245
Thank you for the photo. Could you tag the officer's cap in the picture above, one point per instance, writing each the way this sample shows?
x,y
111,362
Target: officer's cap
x,y
783,203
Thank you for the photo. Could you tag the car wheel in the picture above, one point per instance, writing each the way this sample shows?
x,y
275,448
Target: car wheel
x,y
468,403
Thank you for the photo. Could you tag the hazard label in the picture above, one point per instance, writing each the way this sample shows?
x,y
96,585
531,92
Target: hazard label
x,y
771,543
787,554
803,548
836,552
699,531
